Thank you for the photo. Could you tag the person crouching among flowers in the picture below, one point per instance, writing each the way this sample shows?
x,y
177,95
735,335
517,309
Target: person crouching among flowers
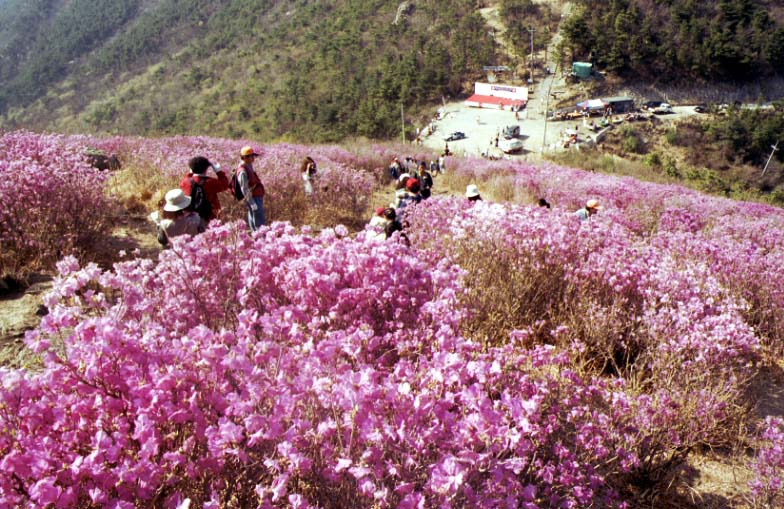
x,y
176,220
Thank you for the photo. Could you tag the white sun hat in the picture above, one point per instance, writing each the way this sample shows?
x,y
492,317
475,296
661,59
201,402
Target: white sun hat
x,y
176,200
471,191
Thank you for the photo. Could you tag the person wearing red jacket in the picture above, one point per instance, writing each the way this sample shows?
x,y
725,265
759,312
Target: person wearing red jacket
x,y
210,206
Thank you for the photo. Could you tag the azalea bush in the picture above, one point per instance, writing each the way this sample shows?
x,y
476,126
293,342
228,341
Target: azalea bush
x,y
285,369
768,487
502,354
740,243
52,202
621,306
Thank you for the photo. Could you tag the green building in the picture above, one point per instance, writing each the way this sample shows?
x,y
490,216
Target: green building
x,y
582,70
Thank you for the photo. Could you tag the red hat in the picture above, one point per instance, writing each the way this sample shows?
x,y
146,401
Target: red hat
x,y
412,185
380,211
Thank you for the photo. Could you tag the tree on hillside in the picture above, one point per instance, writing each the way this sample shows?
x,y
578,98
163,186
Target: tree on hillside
x,y
729,39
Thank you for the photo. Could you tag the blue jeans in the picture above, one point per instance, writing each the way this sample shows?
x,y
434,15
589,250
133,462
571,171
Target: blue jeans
x,y
256,217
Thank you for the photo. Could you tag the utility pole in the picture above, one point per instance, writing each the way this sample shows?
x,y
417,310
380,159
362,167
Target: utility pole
x,y
402,124
775,148
547,105
531,76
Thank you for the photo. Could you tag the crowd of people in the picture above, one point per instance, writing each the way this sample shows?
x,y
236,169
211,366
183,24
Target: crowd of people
x,y
188,209
413,182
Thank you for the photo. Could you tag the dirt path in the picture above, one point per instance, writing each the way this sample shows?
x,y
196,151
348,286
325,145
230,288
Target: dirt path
x,y
22,310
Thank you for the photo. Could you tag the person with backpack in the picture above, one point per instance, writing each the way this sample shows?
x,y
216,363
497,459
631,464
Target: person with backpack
x,y
251,188
203,190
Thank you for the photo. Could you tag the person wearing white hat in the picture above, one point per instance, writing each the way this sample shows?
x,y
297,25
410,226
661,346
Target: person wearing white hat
x,y
176,219
472,193
591,208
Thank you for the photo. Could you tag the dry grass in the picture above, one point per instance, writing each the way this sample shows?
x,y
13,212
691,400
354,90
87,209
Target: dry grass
x,y
139,189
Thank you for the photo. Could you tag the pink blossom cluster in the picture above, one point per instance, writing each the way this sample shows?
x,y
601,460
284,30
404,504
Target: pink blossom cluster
x,y
768,465
289,369
52,202
679,329
740,243
285,369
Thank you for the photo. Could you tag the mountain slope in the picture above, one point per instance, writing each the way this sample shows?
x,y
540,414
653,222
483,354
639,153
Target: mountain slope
x,y
311,70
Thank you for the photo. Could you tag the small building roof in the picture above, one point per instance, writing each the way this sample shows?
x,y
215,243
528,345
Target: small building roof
x,y
490,99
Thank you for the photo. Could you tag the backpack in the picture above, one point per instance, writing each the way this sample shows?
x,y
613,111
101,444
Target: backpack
x,y
199,202
427,180
235,187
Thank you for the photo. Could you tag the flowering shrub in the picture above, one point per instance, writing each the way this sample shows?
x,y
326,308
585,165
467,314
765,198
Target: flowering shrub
x,y
741,244
511,356
286,369
52,202
768,466
622,305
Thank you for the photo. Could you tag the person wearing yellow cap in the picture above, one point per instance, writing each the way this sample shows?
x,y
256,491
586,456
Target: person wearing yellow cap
x,y
252,188
591,207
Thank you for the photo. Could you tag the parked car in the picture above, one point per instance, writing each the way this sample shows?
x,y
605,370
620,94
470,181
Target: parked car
x,y
510,145
457,135
651,105
663,109
511,131
701,108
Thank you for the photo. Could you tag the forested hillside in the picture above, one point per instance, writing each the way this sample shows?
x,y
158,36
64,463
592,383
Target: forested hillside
x,y
736,40
314,71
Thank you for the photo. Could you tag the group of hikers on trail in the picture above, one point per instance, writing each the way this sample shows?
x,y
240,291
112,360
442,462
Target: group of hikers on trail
x,y
413,182
188,210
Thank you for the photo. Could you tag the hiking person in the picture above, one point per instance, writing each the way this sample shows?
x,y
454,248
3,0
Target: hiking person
x,y
425,181
401,181
177,218
472,193
434,167
412,196
442,163
252,188
591,208
308,170
393,225
203,190
378,223
395,169
399,195
378,217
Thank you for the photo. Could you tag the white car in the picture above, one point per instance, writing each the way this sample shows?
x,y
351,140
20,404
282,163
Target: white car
x,y
509,145
663,109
